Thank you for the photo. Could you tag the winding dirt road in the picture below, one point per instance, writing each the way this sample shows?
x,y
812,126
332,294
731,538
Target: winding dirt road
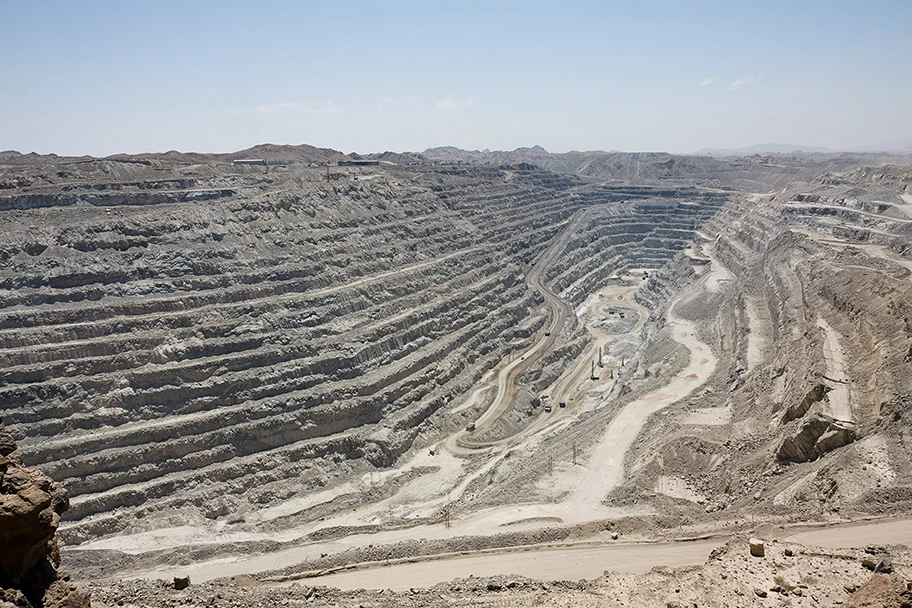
x,y
544,563
462,443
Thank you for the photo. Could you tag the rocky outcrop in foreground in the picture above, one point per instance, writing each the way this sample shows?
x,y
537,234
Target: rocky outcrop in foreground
x,y
30,508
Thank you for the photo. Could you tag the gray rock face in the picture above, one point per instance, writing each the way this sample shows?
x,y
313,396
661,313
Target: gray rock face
x,y
208,338
797,410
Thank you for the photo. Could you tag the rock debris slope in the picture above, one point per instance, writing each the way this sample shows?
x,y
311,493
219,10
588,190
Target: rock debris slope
x,y
808,410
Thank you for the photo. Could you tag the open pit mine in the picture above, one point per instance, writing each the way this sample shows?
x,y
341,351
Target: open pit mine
x,y
290,376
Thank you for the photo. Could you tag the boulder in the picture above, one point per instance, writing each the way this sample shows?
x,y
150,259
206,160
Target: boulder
x,y
815,437
181,582
62,594
7,444
757,547
30,507
877,559
13,598
838,435
797,410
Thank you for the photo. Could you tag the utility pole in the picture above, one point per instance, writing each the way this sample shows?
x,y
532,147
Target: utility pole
x,y
574,453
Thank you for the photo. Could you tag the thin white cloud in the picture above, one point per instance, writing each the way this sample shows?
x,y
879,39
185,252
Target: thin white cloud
x,y
708,81
450,103
320,106
272,108
446,104
742,81
388,100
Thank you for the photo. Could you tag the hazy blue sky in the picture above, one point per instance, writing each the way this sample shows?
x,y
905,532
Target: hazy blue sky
x,y
131,76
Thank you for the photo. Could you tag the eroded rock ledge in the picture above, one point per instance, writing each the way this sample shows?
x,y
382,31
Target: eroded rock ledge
x,y
30,508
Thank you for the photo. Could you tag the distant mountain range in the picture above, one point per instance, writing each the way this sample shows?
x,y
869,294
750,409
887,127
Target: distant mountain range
x,y
761,149
451,154
902,147
275,153
895,147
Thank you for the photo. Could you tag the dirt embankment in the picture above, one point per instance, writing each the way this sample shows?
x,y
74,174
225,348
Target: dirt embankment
x,y
796,574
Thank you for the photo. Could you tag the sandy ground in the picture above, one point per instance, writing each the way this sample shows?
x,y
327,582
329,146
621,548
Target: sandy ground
x,y
838,399
895,532
708,416
718,274
677,487
760,326
606,465
589,562
543,564
573,384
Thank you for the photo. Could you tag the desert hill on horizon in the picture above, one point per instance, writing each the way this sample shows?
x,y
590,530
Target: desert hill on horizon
x,y
322,155
740,172
289,152
775,169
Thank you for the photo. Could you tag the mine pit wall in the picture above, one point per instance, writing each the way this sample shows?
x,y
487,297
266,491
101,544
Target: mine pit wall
x,y
221,356
243,380
618,234
895,233
620,237
523,478
798,282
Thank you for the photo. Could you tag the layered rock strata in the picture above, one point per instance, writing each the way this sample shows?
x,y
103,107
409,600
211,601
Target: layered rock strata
x,y
181,359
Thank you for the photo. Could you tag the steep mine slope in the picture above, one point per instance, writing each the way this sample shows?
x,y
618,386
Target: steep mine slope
x,y
184,341
754,173
808,414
